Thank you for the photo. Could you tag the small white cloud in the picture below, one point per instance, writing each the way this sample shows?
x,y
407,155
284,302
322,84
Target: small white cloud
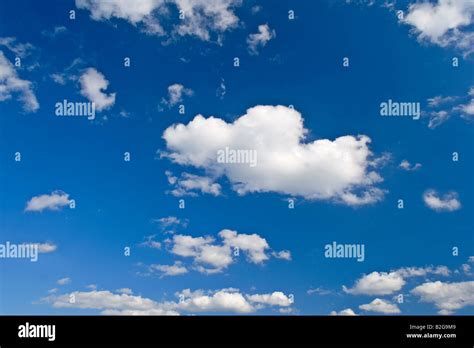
x,y
260,39
20,49
283,254
256,9
53,201
210,257
150,242
221,90
93,86
377,283
437,118
439,100
466,268
57,30
46,248
443,108
176,93
447,297
111,303
405,165
11,84
386,283
170,222
444,23
347,311
64,281
276,298
380,306
126,291
170,270
318,291
230,300
191,185
408,272
447,203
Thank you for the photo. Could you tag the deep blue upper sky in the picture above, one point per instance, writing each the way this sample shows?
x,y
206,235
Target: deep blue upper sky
x,y
302,66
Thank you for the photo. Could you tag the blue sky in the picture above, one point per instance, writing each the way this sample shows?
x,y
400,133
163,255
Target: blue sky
x,y
345,190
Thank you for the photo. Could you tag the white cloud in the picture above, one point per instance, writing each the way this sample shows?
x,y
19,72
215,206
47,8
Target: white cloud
x,y
46,248
444,22
224,300
126,291
230,300
447,297
407,272
447,203
338,170
380,306
176,92
58,78
318,291
405,165
150,242
252,244
93,85
466,268
376,283
53,201
10,84
439,100
347,312
255,9
170,223
221,90
260,39
283,254
64,281
386,283
468,109
442,108
170,270
188,184
201,19
110,303
437,118
20,49
276,298
221,301
57,30
134,12
210,257
204,253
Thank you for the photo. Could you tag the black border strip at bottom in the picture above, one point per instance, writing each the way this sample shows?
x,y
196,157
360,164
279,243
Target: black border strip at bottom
x,y
242,330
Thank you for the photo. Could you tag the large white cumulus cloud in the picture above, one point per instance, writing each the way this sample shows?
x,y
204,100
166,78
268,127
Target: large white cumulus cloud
x,y
340,169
